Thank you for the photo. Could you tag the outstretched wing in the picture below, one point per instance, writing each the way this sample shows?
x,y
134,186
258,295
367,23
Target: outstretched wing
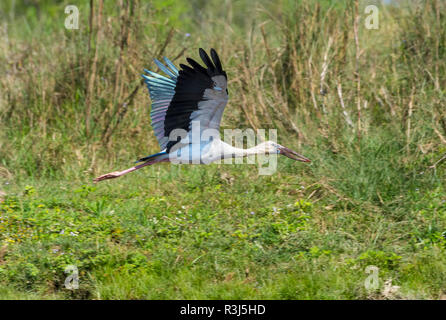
x,y
161,90
194,93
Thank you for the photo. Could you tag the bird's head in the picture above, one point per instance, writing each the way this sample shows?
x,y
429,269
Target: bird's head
x,y
273,147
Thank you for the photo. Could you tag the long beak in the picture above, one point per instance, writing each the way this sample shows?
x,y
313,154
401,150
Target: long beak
x,y
293,154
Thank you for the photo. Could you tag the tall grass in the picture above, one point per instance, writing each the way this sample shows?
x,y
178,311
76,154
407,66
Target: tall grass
x,y
75,97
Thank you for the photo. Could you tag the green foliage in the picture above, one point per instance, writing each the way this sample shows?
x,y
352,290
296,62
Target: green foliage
x,y
380,259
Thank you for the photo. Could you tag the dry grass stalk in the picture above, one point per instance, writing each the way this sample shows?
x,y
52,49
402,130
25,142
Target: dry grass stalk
x,y
409,118
357,65
344,110
92,78
325,66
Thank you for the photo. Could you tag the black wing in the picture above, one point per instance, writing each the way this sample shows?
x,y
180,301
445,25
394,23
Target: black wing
x,y
191,95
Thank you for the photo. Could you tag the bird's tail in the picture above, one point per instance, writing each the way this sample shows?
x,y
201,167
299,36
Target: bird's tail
x,y
151,156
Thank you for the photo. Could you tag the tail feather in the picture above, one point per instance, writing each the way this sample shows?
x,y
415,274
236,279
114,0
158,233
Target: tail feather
x,y
151,156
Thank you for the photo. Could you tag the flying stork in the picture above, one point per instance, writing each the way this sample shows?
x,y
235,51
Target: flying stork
x,y
193,96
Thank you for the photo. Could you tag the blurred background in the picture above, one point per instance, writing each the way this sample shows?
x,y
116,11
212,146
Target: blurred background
x,y
366,105
308,68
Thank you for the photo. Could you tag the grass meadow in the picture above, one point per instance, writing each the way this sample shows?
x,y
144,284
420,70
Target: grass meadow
x,y
366,105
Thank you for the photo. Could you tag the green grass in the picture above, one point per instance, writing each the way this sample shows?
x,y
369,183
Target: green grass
x,y
221,232
370,196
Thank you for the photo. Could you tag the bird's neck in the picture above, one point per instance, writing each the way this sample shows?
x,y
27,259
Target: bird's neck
x,y
239,152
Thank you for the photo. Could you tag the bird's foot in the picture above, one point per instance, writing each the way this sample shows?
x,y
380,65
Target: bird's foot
x,y
107,176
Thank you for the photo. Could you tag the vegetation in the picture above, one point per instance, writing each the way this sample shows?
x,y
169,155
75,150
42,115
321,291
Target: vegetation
x,y
366,105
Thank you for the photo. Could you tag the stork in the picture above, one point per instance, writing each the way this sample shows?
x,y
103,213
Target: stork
x,y
194,96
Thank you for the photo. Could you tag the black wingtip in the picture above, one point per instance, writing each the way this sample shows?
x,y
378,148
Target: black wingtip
x,y
186,68
216,60
213,66
196,65
207,61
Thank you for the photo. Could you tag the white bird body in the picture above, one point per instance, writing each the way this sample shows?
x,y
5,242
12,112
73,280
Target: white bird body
x,y
187,109
211,151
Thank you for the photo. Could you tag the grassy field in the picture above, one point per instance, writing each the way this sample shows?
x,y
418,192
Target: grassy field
x,y
366,105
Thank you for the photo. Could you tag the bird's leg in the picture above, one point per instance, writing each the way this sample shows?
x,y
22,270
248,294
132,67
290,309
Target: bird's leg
x,y
117,174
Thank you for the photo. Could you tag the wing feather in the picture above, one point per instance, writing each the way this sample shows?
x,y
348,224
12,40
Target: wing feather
x,y
185,95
